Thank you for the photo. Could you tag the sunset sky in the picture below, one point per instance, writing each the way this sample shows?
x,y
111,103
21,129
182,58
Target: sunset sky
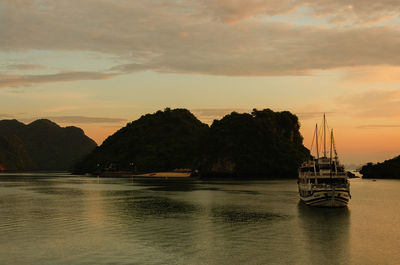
x,y
98,64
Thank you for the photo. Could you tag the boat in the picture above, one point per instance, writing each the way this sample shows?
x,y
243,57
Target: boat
x,y
323,180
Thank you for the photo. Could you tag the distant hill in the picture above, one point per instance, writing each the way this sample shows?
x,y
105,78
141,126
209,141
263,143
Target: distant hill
x,y
261,144
13,155
161,141
41,145
389,169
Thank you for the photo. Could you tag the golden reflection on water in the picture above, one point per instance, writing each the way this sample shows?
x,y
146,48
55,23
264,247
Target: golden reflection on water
x,y
326,232
82,220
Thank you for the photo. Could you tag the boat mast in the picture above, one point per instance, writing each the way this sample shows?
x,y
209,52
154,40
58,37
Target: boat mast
x,y
330,156
331,149
334,150
324,136
316,139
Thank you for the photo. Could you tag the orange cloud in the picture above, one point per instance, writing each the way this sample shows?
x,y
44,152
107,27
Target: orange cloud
x,y
194,37
336,12
230,11
373,74
23,67
25,80
79,119
371,104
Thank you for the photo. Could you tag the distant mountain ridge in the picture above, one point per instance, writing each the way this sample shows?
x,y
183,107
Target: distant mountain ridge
x,y
41,145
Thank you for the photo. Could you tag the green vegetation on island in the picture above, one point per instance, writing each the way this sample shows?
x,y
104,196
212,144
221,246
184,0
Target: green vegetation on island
x,y
389,169
261,144
41,146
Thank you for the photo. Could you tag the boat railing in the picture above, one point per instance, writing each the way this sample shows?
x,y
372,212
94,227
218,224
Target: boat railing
x,y
336,175
329,186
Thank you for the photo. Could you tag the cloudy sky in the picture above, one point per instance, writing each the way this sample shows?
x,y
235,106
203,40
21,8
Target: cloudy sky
x,y
98,64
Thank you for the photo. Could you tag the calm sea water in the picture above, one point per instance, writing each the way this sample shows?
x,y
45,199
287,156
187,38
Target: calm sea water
x,y
59,219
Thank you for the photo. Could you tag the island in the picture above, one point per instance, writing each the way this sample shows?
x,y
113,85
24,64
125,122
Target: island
x,y
159,142
261,144
389,169
41,146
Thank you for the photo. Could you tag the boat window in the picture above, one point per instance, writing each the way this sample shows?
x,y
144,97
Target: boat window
x,y
325,166
307,169
332,181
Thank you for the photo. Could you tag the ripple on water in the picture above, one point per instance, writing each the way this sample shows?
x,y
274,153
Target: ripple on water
x,y
78,220
233,215
158,207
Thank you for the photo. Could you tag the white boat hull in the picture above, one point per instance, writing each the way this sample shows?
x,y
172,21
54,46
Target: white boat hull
x,y
327,198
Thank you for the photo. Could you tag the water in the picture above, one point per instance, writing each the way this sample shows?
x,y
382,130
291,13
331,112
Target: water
x,y
81,220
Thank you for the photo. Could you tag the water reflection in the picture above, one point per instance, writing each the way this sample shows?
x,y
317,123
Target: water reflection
x,y
244,216
80,220
326,232
155,207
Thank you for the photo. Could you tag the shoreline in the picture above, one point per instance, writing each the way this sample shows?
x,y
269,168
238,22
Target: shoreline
x,y
147,175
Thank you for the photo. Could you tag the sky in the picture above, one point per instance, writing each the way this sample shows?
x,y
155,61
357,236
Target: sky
x,y
98,64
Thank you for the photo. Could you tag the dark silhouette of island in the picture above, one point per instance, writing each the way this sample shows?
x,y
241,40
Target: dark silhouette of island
x,y
389,169
41,146
264,144
162,141
261,144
